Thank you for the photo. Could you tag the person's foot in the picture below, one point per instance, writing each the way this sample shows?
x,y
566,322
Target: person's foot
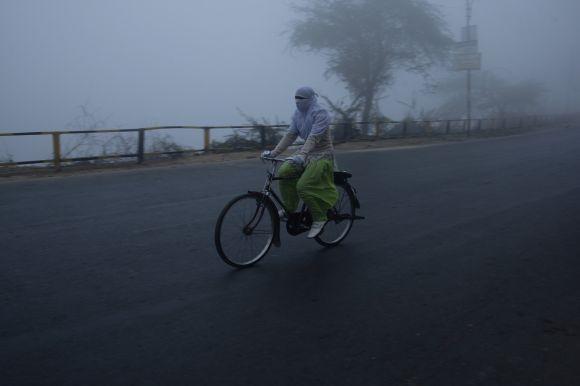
x,y
316,229
282,215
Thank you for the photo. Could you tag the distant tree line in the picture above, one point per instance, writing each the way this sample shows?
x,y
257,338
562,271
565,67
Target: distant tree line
x,y
492,96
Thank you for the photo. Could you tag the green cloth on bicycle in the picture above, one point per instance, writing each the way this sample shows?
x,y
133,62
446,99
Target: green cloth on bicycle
x,y
314,184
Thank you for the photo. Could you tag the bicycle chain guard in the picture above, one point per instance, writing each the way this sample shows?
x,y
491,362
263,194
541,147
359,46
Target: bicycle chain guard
x,y
298,223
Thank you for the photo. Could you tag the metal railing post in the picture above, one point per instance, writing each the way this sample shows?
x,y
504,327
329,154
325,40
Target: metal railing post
x,y
206,138
262,137
447,127
141,146
56,151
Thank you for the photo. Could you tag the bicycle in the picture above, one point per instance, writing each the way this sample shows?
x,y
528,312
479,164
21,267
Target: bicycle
x,y
249,224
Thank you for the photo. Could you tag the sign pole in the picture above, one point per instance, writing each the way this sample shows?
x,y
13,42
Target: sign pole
x,y
468,4
468,102
466,57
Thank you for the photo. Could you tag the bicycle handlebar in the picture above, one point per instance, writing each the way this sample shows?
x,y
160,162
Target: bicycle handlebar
x,y
273,159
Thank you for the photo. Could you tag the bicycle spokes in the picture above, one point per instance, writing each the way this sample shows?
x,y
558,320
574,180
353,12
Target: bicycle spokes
x,y
245,231
340,218
255,220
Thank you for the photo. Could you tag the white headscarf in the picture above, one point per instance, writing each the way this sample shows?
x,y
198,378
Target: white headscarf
x,y
309,117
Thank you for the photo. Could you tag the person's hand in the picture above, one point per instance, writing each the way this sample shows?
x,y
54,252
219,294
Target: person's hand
x,y
296,159
266,153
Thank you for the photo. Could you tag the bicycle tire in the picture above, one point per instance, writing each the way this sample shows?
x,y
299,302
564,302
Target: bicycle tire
x,y
226,253
320,239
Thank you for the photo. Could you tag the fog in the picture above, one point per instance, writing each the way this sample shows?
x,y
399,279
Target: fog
x,y
142,63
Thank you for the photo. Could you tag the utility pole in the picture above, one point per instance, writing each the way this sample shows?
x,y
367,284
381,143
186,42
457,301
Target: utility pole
x,y
468,4
466,56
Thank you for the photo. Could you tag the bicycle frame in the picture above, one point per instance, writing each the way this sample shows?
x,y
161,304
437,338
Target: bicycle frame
x,y
270,177
268,201
297,222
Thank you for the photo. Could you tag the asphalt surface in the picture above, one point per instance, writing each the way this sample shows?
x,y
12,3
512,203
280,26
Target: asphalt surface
x,y
465,272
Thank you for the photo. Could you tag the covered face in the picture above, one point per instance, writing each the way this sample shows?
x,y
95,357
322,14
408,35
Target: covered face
x,y
305,97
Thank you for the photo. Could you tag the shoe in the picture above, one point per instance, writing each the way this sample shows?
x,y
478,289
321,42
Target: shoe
x,y
316,229
282,215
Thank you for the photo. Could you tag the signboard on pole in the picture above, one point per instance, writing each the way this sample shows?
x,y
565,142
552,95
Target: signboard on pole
x,y
466,47
463,62
466,55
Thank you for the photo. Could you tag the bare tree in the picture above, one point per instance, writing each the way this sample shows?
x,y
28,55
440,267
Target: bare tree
x,y
262,133
164,144
84,144
366,41
345,128
105,144
6,157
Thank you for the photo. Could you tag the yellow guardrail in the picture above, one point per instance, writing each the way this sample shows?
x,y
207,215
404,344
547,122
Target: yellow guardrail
x,y
379,130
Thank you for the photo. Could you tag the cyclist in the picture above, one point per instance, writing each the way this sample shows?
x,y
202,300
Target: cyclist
x,y
313,163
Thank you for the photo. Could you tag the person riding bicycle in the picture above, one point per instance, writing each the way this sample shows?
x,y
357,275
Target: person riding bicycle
x,y
313,163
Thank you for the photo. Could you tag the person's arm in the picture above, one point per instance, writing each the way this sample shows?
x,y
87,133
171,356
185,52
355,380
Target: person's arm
x,y
287,140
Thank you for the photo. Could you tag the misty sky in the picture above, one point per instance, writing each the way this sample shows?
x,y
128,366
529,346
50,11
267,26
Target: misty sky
x,y
150,62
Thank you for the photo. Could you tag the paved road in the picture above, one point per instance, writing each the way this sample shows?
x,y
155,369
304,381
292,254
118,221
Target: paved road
x,y
466,272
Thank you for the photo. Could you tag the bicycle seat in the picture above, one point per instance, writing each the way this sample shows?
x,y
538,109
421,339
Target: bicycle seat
x,y
341,177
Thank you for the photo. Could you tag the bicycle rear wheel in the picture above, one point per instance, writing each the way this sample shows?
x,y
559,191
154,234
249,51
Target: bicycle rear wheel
x,y
244,231
340,219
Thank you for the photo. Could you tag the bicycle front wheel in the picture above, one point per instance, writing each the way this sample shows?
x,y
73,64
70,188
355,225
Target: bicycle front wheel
x,y
244,231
